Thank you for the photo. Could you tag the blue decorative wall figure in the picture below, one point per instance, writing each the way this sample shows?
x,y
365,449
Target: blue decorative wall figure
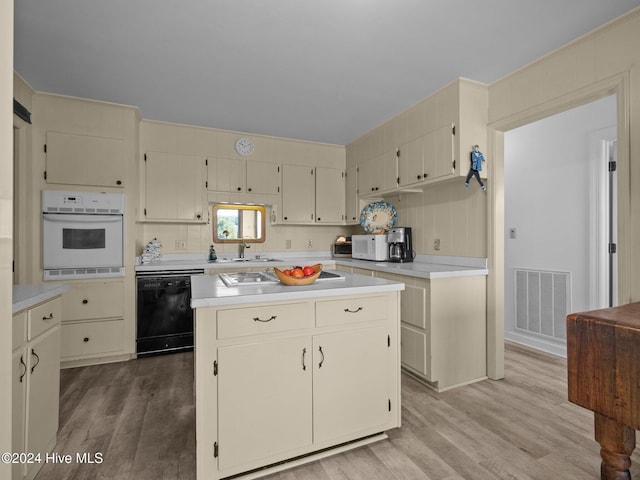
x,y
476,167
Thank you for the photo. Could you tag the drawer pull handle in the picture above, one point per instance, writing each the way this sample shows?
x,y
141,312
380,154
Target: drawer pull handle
x,y
304,353
353,311
50,317
258,319
85,301
321,361
25,368
33,352
85,339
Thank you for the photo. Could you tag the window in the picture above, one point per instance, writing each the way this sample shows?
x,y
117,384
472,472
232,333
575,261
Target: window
x,y
237,223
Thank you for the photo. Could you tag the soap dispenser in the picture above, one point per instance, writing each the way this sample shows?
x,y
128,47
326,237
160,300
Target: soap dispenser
x,y
212,254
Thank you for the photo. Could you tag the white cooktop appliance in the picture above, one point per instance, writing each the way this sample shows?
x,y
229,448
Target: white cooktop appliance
x,y
82,234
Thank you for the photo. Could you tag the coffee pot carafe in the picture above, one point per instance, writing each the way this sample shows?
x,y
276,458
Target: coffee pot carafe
x,y
400,244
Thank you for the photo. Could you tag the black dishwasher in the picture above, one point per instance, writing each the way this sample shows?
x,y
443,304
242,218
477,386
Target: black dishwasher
x,y
164,316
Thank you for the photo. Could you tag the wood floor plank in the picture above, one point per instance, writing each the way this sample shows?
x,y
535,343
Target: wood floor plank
x,y
141,415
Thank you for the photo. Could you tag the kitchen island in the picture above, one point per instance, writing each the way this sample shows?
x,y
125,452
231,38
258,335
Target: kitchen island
x,y
288,374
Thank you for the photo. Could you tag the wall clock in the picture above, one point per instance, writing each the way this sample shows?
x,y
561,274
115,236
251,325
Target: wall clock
x,y
244,146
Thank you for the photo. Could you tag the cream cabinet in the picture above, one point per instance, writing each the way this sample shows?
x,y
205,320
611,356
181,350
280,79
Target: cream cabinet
x,y
427,157
378,174
175,188
74,159
298,194
329,195
243,176
352,205
36,383
312,195
443,323
279,380
431,142
94,324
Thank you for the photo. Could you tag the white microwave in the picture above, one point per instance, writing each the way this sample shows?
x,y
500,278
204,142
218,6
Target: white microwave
x,y
82,235
370,247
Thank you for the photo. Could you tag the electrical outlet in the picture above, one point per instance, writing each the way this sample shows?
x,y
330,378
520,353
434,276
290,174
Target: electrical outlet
x,y
181,244
436,244
309,244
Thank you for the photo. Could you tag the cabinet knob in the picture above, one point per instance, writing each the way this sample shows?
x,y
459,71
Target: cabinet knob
x,y
85,301
85,339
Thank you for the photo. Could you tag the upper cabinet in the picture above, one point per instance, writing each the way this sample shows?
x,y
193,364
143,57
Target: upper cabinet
x,y
175,188
85,160
430,142
330,188
243,176
313,195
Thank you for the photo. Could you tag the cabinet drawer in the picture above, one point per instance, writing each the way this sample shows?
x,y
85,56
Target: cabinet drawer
x,y
363,309
94,300
19,332
44,316
260,320
413,351
92,338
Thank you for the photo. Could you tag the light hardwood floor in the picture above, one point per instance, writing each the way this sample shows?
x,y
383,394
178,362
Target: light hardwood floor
x,y
140,415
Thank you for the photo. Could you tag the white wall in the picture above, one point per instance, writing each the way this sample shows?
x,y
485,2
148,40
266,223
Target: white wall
x,y
547,183
6,223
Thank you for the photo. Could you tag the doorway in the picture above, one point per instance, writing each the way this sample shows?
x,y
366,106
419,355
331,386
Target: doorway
x,y
559,214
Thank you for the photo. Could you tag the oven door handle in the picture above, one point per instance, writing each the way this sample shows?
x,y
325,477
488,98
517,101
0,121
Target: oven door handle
x,y
81,218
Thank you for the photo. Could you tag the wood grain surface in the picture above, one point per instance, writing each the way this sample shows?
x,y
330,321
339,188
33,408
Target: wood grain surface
x,y
140,415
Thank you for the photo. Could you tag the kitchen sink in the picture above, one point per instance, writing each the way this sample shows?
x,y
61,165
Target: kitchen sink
x,y
238,279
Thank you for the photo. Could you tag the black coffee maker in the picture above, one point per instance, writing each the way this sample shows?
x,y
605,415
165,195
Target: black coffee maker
x,y
400,245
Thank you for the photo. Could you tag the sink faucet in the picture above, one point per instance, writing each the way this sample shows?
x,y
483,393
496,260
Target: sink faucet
x,y
243,245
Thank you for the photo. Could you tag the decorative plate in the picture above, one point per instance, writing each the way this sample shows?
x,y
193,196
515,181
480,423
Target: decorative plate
x,y
378,215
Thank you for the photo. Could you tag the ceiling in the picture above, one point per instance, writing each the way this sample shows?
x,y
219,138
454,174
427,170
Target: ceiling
x,y
319,70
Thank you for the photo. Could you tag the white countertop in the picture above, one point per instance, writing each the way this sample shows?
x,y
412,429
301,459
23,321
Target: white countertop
x,y
425,266
210,291
26,296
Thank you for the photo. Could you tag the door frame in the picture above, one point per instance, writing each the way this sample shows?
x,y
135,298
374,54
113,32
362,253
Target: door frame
x,y
618,85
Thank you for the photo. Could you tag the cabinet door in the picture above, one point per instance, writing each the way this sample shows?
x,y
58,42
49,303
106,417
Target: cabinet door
x,y
410,165
85,160
329,195
226,175
352,210
264,400
18,417
443,151
175,187
263,178
351,387
298,194
43,391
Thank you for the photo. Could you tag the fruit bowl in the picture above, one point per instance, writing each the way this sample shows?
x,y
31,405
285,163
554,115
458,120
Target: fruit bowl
x,y
289,280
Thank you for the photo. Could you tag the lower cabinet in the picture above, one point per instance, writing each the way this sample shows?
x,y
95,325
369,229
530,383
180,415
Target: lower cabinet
x,y
93,326
36,384
444,329
288,379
